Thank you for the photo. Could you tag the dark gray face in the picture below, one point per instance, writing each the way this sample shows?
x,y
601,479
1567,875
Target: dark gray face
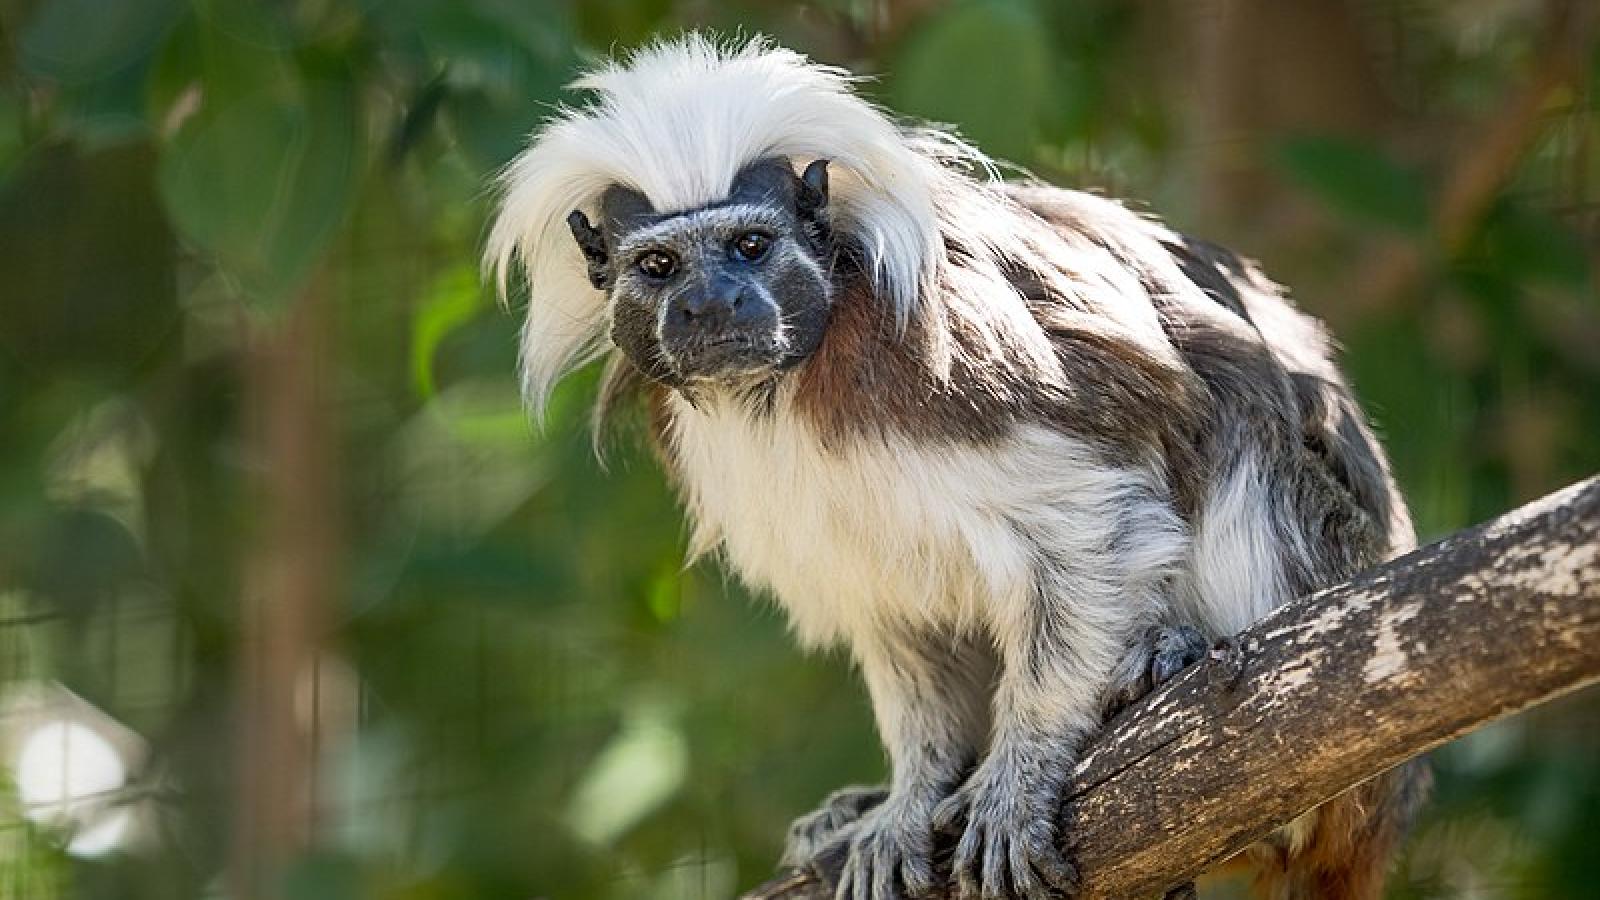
x,y
726,293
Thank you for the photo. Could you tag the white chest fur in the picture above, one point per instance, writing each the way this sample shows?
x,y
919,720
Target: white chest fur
x,y
892,533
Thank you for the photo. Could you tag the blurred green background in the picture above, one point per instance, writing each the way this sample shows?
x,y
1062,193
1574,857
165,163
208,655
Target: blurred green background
x,y
314,612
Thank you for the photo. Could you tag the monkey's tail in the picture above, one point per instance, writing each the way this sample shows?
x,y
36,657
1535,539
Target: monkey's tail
x,y
1343,849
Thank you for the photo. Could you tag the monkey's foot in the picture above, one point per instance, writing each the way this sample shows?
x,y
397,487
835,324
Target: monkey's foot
x,y
1161,652
888,853
1008,847
812,831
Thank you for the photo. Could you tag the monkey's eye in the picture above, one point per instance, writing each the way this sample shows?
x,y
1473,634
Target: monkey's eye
x,y
751,246
658,264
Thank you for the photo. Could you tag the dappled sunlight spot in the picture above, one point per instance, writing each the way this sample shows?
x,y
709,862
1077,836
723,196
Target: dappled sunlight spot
x,y
63,764
368,794
103,835
638,772
71,765
65,775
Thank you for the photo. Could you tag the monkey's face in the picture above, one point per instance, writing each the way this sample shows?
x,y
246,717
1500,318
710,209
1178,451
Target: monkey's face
x,y
729,293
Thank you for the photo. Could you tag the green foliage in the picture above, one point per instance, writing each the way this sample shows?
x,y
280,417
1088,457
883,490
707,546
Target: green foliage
x,y
1001,104
78,41
263,173
1527,245
537,699
1357,180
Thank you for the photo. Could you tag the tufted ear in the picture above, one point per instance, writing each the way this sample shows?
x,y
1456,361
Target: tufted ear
x,y
593,245
621,211
813,192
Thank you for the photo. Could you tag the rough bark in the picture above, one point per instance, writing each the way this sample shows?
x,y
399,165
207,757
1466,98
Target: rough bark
x,y
1327,692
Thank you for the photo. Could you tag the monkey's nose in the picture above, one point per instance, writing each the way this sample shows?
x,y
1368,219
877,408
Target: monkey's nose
x,y
710,310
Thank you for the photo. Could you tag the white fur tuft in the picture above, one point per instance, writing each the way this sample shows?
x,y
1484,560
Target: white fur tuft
x,y
879,536
1236,569
676,121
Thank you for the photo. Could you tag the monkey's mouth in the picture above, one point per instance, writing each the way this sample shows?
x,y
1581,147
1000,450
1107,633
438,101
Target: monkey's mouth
x,y
726,357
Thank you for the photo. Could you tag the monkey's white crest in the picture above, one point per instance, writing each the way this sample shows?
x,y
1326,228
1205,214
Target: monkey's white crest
x,y
677,121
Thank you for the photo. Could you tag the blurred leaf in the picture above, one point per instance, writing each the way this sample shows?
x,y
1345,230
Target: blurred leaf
x,y
506,61
455,298
1529,245
1000,103
105,111
633,776
82,40
264,180
263,25
665,597
218,68
1357,180
422,113
83,559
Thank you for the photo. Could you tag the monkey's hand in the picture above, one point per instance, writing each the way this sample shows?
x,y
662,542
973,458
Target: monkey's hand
x,y
1005,814
814,830
1160,654
888,852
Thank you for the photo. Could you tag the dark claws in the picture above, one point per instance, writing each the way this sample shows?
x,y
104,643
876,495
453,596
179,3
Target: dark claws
x,y
813,833
1004,855
1176,650
1161,652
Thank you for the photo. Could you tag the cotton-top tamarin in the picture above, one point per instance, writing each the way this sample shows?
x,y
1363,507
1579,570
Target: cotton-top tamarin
x,y
1011,444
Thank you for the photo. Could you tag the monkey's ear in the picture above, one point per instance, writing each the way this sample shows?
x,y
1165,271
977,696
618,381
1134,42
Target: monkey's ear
x,y
813,193
593,245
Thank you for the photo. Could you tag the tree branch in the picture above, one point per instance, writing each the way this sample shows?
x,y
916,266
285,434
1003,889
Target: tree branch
x,y
1328,692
